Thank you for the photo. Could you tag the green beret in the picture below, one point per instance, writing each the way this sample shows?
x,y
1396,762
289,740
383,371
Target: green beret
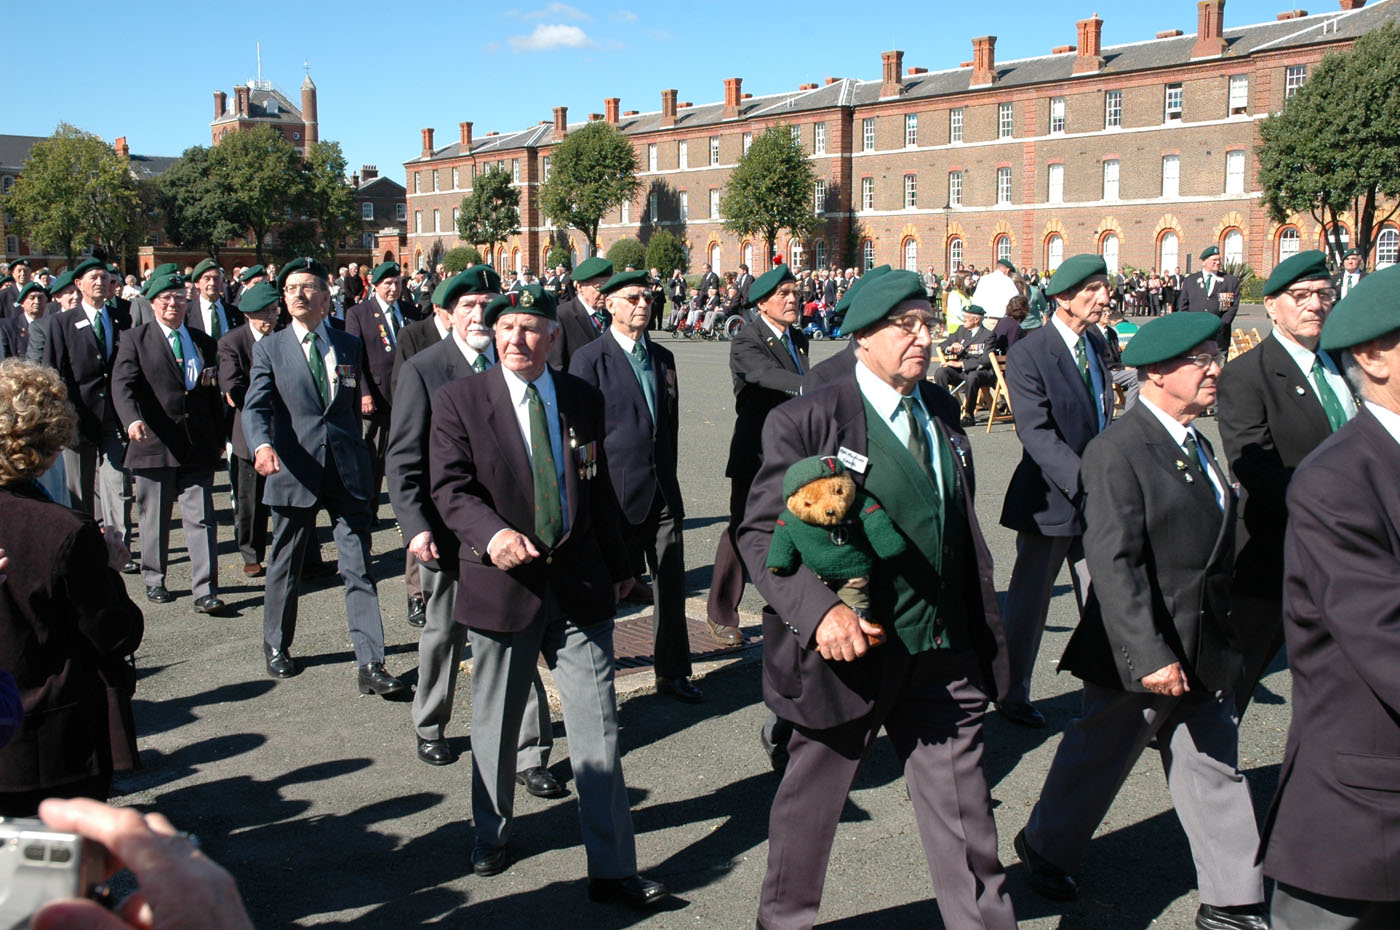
x,y
804,471
595,267
7,279
480,279
167,282
207,265
879,297
85,266
61,282
1350,252
1310,265
439,298
1370,310
1170,336
1074,271
25,262
531,299
30,288
1209,251
974,310
251,273
1006,263
302,265
259,297
854,287
384,270
625,279
766,283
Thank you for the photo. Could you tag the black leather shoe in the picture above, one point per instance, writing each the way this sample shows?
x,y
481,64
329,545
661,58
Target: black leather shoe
x,y
679,688
777,753
1241,917
158,595
208,604
435,751
539,782
489,860
724,635
969,420
1023,714
1048,881
132,567
633,891
375,679
280,663
417,612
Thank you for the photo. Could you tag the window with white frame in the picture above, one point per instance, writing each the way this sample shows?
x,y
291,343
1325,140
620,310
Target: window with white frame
x,y
1057,114
654,207
367,240
456,217
1055,188
819,196
1234,172
867,134
625,212
435,179
955,124
400,211
1003,185
714,150
1293,78
685,206
7,182
819,254
1387,247
454,178
1054,251
1171,175
1233,251
911,254
437,221
651,156
1003,121
367,210
1289,243
418,182
682,154
819,139
717,258
795,253
1168,252
748,254
418,221
544,168
867,255
515,171
955,253
1110,179
714,203
911,191
796,134
867,193
1173,105
1112,109
1003,248
1108,248
1342,235
955,188
911,130
1239,94
501,166
748,141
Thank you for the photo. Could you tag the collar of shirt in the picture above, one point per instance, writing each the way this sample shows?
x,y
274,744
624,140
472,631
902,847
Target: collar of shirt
x,y
1303,358
92,312
780,333
1179,434
627,342
516,385
208,306
471,354
888,403
1070,337
1389,418
257,334
442,331
301,331
385,308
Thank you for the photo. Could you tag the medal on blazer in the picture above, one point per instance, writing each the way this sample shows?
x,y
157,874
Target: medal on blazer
x,y
1181,467
384,338
585,456
209,377
345,374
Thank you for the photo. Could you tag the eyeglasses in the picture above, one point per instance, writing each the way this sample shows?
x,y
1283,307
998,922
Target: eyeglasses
x,y
911,324
1205,359
1302,295
638,298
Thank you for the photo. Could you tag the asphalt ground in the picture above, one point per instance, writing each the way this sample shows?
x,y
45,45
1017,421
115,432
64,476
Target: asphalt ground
x,y
313,796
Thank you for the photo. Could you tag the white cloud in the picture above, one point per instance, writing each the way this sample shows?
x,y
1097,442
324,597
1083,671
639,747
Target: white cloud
x,y
549,36
623,16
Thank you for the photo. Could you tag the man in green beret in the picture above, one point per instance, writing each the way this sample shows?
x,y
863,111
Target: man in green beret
x,y
63,295
254,274
1210,290
924,664
33,300
1278,402
1351,274
1155,647
1333,812
213,314
585,317
9,294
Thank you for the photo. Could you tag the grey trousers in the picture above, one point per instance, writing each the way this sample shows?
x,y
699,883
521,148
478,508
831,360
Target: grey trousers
x,y
581,658
1199,744
157,490
97,483
1127,378
1033,576
1295,909
439,654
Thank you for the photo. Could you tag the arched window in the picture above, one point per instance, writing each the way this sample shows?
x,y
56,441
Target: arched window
x,y
819,254
1233,249
1288,242
1108,248
911,254
715,258
867,255
955,254
515,260
748,255
795,253
500,258
1168,252
1002,247
1341,234
1387,247
1054,251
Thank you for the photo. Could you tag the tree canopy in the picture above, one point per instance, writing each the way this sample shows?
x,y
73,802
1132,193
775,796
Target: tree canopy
x,y
259,175
592,171
491,212
192,202
666,253
1334,147
460,259
627,252
327,201
770,190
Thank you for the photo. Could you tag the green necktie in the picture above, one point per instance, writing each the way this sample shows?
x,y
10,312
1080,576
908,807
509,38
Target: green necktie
x,y
177,346
1193,451
1336,416
480,363
318,369
215,329
1081,358
549,517
99,329
918,441
639,352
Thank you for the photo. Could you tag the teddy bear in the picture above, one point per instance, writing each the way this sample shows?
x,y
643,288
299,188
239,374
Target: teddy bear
x,y
833,528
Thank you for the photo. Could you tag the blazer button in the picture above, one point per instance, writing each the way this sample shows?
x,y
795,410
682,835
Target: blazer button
x,y
549,560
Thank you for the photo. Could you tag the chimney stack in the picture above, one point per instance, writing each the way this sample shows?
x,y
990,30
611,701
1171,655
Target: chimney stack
x,y
561,123
733,93
368,172
984,61
355,181
220,103
1353,4
427,143
1210,29
1088,55
121,148
668,108
465,140
612,105
892,65
240,99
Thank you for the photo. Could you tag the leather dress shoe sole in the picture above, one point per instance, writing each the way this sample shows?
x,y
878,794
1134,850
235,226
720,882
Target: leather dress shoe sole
x,y
724,635
435,751
1247,917
682,689
1022,714
539,782
132,567
209,604
489,860
280,664
1047,880
634,891
375,679
159,595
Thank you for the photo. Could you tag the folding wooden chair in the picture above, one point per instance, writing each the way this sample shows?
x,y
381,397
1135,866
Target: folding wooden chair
x,y
1000,395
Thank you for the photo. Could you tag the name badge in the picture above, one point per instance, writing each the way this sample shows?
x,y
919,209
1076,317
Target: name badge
x,y
853,460
82,324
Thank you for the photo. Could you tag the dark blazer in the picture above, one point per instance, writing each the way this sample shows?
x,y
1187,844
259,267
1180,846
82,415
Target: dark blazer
x,y
642,454
577,330
365,321
764,376
406,457
235,368
413,338
977,345
710,280
1192,296
15,332
1007,333
66,626
194,316
71,347
1055,419
9,302
798,684
185,426
283,408
1270,419
1337,279
1334,825
742,283
481,482
1159,550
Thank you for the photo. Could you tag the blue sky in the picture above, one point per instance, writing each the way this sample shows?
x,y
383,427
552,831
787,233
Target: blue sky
x,y
382,74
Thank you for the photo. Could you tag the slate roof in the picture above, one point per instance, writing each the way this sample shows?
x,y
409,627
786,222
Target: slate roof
x,y
15,149
263,103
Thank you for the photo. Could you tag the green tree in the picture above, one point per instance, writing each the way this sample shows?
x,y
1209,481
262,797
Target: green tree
x,y
197,214
665,253
460,258
74,192
558,255
491,212
261,175
1334,146
625,252
770,190
593,170
328,201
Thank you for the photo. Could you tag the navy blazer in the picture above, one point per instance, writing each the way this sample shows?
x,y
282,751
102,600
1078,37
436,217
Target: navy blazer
x,y
194,317
1055,419
576,330
642,454
185,426
70,347
365,321
283,409
1192,296
764,376
415,337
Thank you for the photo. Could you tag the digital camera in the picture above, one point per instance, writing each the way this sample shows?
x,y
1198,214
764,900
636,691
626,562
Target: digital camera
x,y
39,864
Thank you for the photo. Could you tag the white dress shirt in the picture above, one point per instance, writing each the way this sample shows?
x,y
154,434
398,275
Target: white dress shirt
x,y
326,349
187,349
888,403
1179,433
1303,357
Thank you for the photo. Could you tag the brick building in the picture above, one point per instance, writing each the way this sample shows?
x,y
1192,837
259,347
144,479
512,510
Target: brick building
x,y
1142,151
259,103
